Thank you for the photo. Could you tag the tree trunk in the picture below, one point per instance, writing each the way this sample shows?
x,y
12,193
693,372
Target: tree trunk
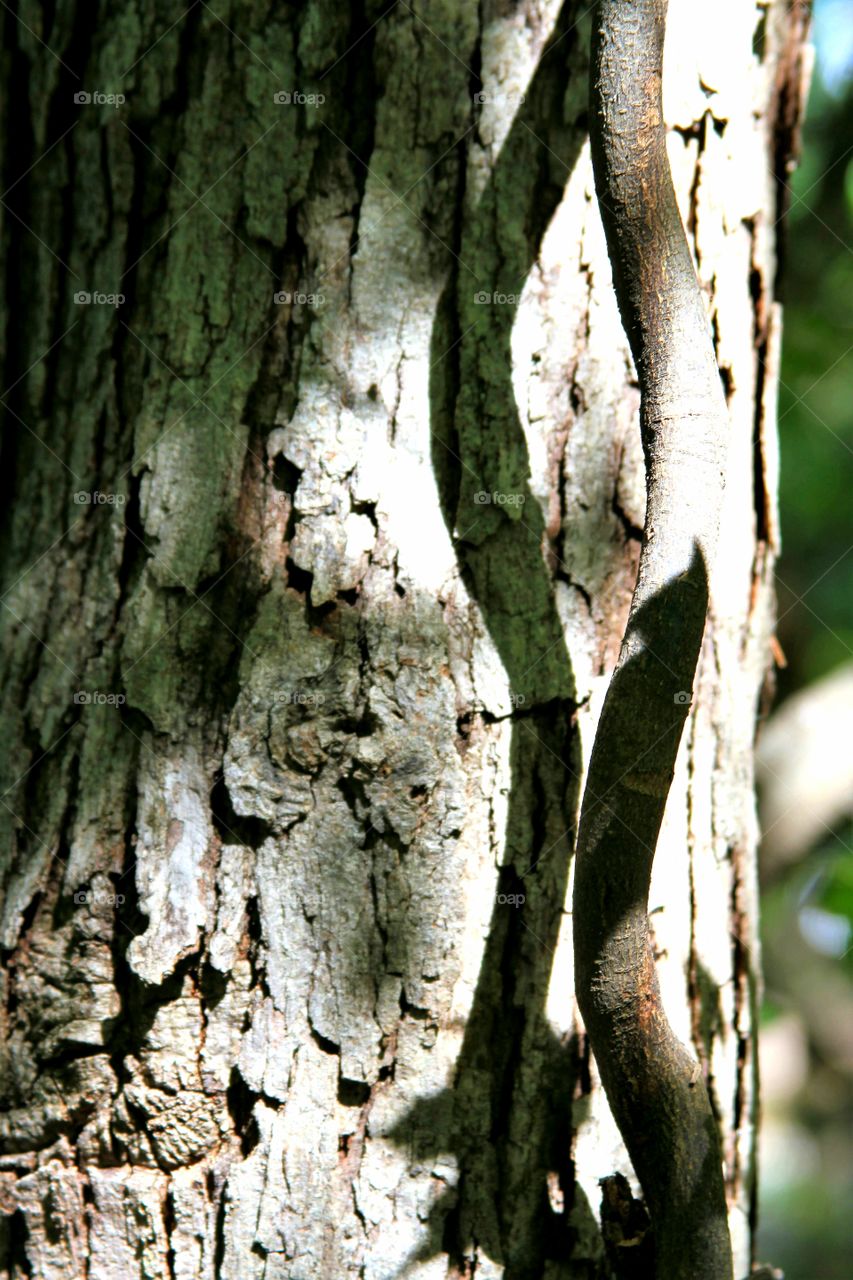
x,y
323,493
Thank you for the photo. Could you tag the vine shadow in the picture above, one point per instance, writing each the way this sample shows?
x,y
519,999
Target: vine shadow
x,y
507,1118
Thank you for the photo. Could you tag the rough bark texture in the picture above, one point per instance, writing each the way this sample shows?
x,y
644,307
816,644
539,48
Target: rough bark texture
x,y
294,719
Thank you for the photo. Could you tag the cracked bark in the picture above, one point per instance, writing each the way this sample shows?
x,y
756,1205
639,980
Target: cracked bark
x,y
272,1004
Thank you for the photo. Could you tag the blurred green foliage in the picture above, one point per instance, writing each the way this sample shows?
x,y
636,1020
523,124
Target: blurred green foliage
x,y
806,1224
816,395
809,1237
836,895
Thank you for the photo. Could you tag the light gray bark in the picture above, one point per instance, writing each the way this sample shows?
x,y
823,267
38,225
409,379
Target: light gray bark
x,y
271,1005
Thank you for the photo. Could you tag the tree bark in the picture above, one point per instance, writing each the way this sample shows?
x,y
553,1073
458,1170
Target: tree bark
x,y
323,488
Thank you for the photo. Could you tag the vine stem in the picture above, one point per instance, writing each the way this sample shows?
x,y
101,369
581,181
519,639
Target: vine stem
x,y
654,1086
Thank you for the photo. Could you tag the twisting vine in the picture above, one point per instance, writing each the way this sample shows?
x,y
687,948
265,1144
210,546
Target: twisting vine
x,y
654,1087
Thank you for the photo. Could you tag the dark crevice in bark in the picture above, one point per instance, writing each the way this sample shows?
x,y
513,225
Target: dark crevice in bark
x,y
190,64
727,380
632,531
360,85
408,1010
278,369
301,581
254,929
626,1230
691,222
353,791
559,1236
241,1103
445,378
43,779
154,140
10,959
725,372
126,387
758,486
18,156
233,827
561,576
365,509
217,1198
169,1227
760,341
560,478
65,825
133,553
387,1071
285,477
387,837
741,976
324,1043
785,121
689,132
523,712
464,729
75,58
129,918
378,920
445,375
353,1093
475,81
452,1235
17,1262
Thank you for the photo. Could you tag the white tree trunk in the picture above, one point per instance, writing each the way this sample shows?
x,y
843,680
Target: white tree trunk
x,y
288,990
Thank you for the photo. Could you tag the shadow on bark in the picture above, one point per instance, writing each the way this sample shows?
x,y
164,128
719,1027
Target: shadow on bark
x,y
507,1118
653,1085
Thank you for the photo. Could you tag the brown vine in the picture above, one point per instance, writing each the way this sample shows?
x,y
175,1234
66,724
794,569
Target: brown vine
x,y
654,1086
